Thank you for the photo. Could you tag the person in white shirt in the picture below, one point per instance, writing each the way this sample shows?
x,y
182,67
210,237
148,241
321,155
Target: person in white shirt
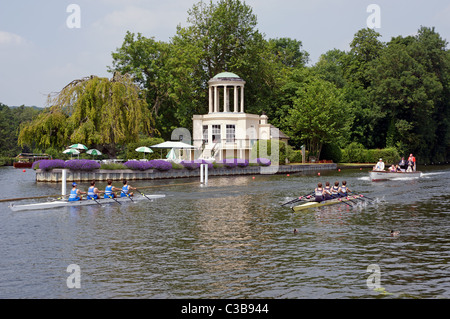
x,y
379,166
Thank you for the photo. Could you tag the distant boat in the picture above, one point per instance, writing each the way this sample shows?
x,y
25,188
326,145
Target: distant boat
x,y
26,160
386,175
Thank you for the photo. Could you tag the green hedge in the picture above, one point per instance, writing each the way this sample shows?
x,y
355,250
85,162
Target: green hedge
x,y
356,153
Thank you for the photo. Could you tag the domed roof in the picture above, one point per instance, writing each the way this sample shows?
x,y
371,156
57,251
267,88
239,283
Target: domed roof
x,y
226,75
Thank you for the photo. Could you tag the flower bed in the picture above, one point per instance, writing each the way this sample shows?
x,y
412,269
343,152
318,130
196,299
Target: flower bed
x,y
75,165
160,165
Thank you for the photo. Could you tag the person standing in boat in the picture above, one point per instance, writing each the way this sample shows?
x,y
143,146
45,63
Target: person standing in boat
x,y
110,189
75,193
126,189
412,160
379,166
343,190
93,192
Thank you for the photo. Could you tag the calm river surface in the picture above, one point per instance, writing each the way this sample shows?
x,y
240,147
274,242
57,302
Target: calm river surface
x,y
231,239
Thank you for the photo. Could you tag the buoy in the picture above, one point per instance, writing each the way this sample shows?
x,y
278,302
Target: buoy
x,y
253,177
318,174
287,175
24,171
339,170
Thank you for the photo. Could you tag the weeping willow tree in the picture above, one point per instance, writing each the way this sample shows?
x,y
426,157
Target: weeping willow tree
x,y
98,112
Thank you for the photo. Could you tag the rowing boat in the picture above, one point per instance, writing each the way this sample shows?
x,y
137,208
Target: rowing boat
x,y
386,175
84,202
314,204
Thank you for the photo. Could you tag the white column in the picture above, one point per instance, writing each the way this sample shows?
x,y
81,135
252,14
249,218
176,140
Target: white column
x,y
235,99
210,100
225,95
242,99
216,100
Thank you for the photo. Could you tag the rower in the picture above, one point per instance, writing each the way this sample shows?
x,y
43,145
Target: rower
x,y
319,193
75,193
93,192
335,190
125,189
327,191
343,190
110,189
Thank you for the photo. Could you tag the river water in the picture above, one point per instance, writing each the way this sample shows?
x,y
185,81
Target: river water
x,y
232,239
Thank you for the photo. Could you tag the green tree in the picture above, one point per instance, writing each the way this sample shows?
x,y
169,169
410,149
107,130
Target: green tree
x,y
319,115
408,87
99,112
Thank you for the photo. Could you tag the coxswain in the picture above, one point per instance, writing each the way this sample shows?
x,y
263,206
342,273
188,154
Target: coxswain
x,y
319,193
93,192
75,193
109,190
126,189
343,190
327,191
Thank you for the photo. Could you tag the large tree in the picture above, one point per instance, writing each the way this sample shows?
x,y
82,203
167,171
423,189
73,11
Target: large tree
x,y
319,115
100,112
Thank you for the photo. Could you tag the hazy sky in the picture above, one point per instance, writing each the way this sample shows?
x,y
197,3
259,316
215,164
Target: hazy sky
x,y
40,53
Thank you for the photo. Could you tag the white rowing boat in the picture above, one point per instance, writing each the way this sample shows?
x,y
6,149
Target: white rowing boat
x,y
386,175
84,202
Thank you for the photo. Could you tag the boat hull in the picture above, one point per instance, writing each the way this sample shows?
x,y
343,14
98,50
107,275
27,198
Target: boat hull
x,y
84,202
314,204
385,175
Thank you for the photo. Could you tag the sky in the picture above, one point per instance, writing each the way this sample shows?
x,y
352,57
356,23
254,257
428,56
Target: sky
x,y
46,44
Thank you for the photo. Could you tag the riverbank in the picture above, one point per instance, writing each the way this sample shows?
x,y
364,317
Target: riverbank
x,y
55,175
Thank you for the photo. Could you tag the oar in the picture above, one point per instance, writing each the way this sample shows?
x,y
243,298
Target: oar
x,y
128,195
114,199
363,196
297,199
341,202
92,198
143,194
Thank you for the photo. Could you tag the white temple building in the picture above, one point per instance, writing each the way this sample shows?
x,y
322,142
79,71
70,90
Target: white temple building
x,y
227,131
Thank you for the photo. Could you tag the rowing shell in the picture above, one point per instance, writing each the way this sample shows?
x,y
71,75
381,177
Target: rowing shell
x,y
84,202
386,175
314,204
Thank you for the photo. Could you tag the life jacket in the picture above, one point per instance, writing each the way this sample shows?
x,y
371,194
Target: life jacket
x,y
73,195
91,194
108,191
125,190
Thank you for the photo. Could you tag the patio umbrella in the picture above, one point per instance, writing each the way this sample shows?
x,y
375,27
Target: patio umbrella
x,y
144,149
71,151
78,146
94,152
